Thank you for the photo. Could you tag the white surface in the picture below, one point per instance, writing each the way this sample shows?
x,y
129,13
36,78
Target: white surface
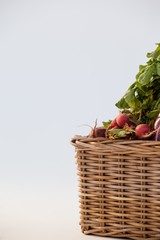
x,y
37,212
62,64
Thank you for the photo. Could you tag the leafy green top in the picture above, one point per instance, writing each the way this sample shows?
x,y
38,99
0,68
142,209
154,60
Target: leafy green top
x,y
142,98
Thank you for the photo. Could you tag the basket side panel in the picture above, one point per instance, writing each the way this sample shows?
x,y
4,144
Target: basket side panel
x,y
101,186
119,191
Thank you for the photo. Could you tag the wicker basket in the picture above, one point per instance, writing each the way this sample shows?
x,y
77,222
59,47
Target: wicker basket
x,y
119,185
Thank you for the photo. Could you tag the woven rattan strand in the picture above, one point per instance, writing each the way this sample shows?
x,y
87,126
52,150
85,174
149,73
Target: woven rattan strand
x,y
119,187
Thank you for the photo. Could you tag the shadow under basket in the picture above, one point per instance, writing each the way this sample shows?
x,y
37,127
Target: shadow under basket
x,y
119,187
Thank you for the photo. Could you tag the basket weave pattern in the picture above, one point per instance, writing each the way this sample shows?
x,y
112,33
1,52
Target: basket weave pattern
x,y
119,187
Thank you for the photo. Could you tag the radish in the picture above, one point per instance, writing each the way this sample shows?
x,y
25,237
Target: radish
x,y
113,124
157,127
122,120
97,131
100,132
142,131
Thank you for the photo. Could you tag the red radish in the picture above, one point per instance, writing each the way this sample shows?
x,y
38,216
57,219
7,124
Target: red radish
x,y
141,130
122,119
97,131
113,124
100,132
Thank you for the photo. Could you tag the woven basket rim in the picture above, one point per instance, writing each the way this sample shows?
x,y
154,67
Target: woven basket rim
x,y
86,139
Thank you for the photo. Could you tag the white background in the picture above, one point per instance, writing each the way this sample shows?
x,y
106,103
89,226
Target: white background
x,y
63,64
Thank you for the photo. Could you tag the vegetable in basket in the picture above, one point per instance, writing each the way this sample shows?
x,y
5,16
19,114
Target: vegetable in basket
x,y
139,108
157,127
142,99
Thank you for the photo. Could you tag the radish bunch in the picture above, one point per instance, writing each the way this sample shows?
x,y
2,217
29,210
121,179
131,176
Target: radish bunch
x,y
127,129
123,127
139,107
